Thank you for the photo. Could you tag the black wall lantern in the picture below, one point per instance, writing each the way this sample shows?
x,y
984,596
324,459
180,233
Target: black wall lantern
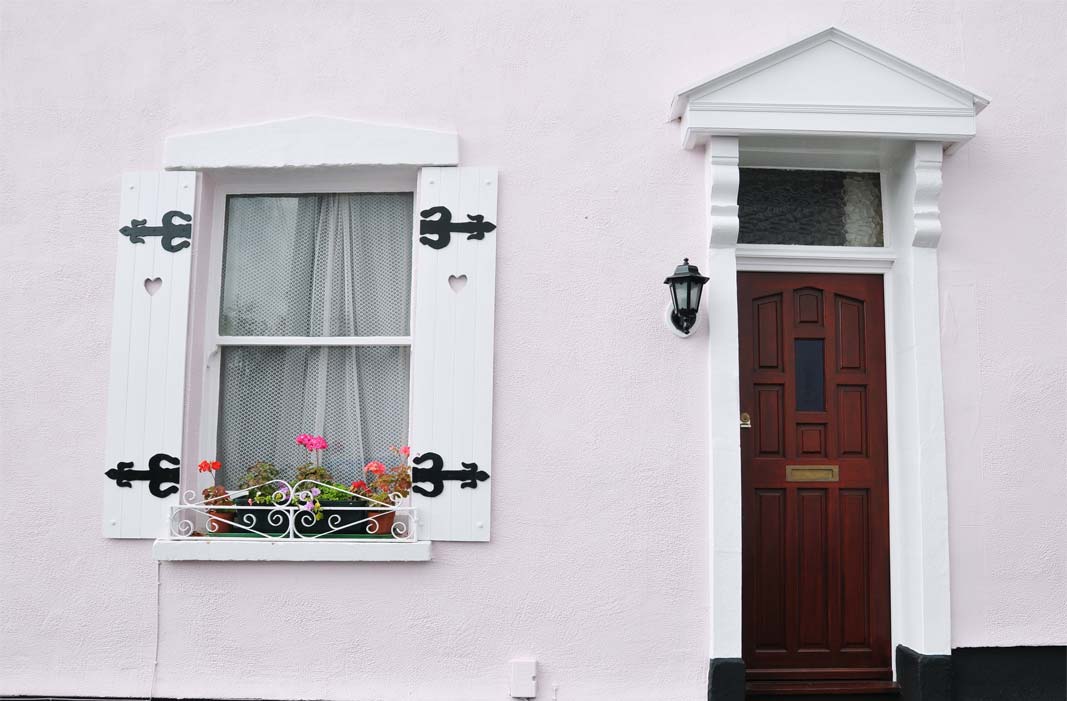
x,y
685,285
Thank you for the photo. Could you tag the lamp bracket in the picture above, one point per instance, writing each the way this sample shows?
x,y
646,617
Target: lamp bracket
x,y
668,319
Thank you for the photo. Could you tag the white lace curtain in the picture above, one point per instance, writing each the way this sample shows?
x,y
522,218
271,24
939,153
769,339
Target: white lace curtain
x,y
314,265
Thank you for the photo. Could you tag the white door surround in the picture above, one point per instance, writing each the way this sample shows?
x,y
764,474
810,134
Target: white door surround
x,y
858,108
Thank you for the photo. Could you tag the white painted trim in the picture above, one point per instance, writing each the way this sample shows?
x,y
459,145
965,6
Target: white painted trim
x,y
782,53
919,548
452,362
313,341
146,386
759,97
696,129
814,259
833,109
311,141
212,221
919,564
724,468
254,550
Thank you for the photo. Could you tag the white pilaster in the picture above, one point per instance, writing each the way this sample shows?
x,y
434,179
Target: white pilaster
x,y
724,477
936,631
918,472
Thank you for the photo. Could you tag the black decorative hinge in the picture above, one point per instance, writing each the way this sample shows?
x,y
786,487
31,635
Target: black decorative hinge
x,y
156,475
436,233
436,475
169,231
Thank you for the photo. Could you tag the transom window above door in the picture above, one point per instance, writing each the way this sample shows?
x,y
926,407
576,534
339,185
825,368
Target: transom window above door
x,y
809,207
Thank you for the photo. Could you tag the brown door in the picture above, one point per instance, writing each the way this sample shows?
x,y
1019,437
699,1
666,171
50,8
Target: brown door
x,y
814,477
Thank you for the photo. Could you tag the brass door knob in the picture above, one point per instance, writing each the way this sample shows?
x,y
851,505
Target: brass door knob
x,y
746,420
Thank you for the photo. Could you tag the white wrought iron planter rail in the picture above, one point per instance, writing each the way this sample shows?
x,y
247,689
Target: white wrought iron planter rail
x,y
291,515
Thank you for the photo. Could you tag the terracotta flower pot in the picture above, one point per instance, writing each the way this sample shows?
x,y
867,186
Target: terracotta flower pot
x,y
384,519
219,521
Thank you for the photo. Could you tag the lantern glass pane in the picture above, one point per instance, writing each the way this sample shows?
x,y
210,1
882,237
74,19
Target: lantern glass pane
x,y
694,296
681,294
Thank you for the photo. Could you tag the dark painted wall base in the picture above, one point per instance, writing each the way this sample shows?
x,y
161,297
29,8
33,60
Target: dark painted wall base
x,y
1009,674
923,677
968,674
984,674
726,679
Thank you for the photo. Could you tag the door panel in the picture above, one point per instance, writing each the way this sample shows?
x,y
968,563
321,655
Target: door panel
x,y
815,553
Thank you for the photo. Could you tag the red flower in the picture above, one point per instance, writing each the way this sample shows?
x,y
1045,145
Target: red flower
x,y
212,466
375,467
360,486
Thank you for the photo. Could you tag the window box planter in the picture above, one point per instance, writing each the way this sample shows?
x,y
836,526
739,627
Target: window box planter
x,y
338,518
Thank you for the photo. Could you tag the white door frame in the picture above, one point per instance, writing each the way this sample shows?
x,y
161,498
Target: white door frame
x,y
918,498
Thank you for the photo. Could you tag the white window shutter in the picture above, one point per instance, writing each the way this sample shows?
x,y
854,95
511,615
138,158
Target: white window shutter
x,y
147,385
452,355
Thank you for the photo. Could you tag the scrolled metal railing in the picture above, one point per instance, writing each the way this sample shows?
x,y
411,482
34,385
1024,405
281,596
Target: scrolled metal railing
x,y
291,514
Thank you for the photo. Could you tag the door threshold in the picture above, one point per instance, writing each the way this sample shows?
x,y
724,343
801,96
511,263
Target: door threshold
x,y
840,690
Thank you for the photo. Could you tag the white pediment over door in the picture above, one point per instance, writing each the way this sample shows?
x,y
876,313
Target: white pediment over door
x,y
832,84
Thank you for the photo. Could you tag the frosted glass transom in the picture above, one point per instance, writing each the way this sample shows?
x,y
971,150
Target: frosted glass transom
x,y
810,207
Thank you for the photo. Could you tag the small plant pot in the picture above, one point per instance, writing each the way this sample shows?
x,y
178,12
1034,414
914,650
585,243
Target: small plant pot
x,y
219,521
384,519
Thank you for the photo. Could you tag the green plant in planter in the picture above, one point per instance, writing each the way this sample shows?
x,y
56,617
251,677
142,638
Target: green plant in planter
x,y
316,473
309,496
259,481
217,496
339,492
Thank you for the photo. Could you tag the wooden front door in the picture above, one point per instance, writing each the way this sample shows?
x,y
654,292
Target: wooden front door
x,y
815,507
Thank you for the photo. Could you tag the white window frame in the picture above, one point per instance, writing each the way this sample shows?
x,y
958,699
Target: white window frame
x,y
303,154
377,180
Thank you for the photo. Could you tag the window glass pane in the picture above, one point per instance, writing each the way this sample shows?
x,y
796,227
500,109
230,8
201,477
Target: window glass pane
x,y
356,397
810,207
810,374
317,265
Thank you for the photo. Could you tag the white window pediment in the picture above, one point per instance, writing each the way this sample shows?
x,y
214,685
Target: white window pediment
x,y
311,141
829,84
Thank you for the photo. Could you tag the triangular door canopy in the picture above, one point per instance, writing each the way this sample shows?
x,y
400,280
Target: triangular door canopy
x,y
830,84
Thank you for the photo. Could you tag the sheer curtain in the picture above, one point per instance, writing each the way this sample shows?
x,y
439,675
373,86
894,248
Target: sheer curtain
x,y
314,265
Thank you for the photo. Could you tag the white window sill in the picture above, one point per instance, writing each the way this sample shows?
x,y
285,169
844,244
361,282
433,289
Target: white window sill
x,y
233,549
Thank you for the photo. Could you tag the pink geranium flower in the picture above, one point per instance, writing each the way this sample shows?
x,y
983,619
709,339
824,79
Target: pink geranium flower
x,y
312,443
375,467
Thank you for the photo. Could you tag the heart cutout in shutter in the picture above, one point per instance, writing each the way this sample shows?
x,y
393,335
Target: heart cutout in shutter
x,y
152,285
457,282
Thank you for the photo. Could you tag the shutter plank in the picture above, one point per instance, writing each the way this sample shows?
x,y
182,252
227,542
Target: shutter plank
x,y
452,354
117,400
146,390
482,383
133,435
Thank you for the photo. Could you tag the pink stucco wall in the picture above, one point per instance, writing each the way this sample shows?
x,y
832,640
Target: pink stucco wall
x,y
603,581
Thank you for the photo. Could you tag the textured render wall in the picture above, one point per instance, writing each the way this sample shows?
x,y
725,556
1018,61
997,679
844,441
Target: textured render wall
x,y
604,583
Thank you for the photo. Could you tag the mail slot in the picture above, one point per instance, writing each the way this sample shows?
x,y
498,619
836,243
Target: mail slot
x,y
811,473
